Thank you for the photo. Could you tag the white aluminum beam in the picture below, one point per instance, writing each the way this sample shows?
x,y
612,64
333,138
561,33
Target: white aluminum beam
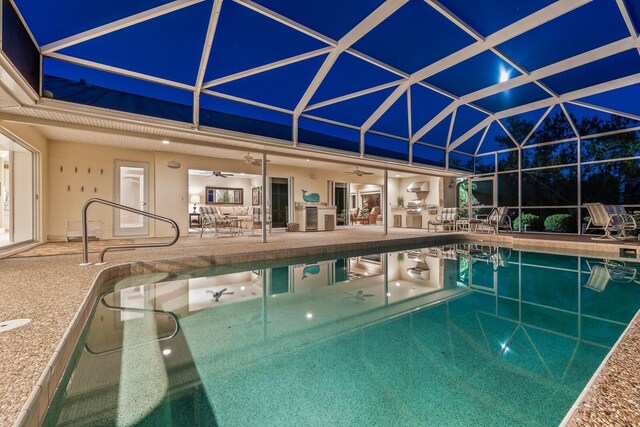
x,y
536,126
571,96
24,23
391,99
267,67
468,134
628,22
286,21
120,71
484,135
534,20
454,19
246,101
356,33
504,128
568,116
117,25
204,58
605,110
558,67
434,121
353,95
208,42
451,123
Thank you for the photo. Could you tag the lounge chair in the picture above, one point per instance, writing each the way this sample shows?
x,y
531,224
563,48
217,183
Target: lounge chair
x,y
600,219
447,219
598,278
371,218
622,217
212,219
496,220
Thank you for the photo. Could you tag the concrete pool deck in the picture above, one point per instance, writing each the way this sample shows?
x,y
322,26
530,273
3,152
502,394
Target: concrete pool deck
x,y
49,290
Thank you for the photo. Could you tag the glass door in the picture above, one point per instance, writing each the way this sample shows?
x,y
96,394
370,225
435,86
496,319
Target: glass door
x,y
279,202
131,189
17,193
341,200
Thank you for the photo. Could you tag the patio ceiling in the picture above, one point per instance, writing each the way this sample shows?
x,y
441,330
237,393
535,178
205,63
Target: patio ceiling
x,y
369,77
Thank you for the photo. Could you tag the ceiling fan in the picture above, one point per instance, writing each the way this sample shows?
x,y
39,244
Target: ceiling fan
x,y
221,174
250,160
358,172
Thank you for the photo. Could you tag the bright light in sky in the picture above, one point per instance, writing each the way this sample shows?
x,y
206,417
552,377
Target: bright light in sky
x,y
504,75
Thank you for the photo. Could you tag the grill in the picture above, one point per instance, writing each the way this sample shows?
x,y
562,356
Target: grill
x,y
414,206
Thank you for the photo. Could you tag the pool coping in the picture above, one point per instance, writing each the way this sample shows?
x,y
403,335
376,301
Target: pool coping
x,y
587,388
42,394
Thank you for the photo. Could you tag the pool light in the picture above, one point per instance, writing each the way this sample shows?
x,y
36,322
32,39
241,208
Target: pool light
x,y
166,351
309,316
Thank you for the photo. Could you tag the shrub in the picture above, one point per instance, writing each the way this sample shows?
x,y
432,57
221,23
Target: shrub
x,y
560,223
530,222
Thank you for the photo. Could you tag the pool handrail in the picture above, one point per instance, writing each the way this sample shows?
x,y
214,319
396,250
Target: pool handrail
x,y
85,236
137,310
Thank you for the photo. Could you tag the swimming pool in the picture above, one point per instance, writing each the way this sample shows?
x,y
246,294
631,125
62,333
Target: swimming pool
x,y
455,335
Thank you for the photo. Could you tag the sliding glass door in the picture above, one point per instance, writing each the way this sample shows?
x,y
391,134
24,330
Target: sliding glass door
x,y
17,193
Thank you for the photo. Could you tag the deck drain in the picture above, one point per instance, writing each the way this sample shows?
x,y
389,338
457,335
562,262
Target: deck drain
x,y
13,324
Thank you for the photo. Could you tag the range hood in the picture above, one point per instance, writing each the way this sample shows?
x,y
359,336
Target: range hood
x,y
419,187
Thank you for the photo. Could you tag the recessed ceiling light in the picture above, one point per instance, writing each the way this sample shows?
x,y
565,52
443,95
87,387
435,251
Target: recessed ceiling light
x,y
308,160
397,176
166,141
242,173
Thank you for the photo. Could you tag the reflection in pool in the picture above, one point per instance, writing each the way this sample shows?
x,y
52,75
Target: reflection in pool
x,y
460,334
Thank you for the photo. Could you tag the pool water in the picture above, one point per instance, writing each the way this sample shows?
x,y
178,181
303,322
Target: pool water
x,y
454,335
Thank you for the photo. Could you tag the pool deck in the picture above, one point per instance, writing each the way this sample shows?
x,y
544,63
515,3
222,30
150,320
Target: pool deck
x,y
47,285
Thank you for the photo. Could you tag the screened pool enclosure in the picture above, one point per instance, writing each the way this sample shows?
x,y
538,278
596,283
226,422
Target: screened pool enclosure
x,y
536,101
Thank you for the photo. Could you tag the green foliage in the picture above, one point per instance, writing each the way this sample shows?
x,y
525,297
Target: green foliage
x,y
560,223
530,222
225,197
400,200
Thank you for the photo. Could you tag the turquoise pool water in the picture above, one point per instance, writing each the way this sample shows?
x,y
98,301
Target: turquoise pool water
x,y
454,335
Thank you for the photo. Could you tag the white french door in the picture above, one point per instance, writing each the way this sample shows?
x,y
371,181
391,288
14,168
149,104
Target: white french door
x,y
131,189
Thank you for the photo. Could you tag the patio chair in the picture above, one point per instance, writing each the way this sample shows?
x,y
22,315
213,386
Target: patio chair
x,y
500,258
621,216
496,220
353,214
598,278
447,219
600,219
257,219
371,218
212,219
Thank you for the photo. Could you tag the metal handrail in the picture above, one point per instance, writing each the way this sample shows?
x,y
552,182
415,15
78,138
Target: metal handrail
x,y
136,310
85,236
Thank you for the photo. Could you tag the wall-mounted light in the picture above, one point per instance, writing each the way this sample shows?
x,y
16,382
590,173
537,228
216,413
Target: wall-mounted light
x,y
173,164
